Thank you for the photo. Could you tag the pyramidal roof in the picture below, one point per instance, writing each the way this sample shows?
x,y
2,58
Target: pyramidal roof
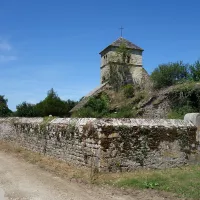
x,y
120,41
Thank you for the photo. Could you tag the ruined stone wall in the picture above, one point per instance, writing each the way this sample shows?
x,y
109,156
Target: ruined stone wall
x,y
107,144
157,109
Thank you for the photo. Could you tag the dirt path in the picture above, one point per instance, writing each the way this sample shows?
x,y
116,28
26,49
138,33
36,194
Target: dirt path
x,y
24,181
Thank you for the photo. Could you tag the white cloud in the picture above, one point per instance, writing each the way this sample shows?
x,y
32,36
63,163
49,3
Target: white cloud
x,y
5,46
6,51
7,58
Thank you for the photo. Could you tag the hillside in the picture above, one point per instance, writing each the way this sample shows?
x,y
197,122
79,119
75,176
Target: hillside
x,y
132,101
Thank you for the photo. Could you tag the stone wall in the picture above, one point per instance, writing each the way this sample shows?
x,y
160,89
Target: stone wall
x,y
107,144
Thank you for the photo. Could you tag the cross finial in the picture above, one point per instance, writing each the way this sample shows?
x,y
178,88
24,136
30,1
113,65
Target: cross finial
x,y
121,30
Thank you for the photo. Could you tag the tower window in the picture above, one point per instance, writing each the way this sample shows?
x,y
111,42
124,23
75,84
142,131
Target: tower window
x,y
105,57
128,59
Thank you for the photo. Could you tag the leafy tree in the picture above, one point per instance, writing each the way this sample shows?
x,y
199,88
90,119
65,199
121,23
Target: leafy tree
x,y
51,105
4,110
169,74
195,71
69,104
26,110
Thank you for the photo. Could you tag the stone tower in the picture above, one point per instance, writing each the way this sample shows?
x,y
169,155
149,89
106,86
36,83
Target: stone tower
x,y
134,62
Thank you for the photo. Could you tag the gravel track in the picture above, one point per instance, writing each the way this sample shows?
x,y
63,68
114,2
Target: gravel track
x,y
23,181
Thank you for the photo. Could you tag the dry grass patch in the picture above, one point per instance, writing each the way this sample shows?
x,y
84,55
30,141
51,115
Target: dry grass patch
x,y
58,167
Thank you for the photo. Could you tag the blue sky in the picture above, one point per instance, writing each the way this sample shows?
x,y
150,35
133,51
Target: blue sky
x,y
48,43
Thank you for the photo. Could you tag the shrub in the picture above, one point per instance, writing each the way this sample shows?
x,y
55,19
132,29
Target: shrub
x,y
180,112
95,107
124,112
85,113
128,91
169,74
139,96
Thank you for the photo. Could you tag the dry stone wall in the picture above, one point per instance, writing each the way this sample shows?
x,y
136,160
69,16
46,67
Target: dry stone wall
x,y
106,144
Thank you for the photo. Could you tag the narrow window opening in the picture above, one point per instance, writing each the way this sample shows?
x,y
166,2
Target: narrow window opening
x,y
128,59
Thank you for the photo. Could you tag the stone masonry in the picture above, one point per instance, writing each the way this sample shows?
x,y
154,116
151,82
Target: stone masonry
x,y
106,144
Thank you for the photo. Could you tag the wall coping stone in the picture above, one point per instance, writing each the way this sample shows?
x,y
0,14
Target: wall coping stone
x,y
130,122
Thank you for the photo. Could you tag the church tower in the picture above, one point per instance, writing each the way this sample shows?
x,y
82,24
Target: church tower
x,y
134,62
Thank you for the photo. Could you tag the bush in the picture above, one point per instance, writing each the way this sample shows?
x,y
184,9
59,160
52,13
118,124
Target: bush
x,y
139,96
128,91
180,112
96,107
86,113
125,112
169,74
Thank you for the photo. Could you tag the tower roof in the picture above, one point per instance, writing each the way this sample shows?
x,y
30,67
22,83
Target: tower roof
x,y
120,41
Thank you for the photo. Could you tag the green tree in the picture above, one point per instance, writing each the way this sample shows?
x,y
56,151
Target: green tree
x,y
195,71
169,74
53,105
69,104
4,110
26,110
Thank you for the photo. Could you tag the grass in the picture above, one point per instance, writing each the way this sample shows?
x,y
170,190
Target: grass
x,y
184,181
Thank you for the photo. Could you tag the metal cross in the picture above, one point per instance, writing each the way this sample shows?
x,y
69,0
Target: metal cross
x,y
121,30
